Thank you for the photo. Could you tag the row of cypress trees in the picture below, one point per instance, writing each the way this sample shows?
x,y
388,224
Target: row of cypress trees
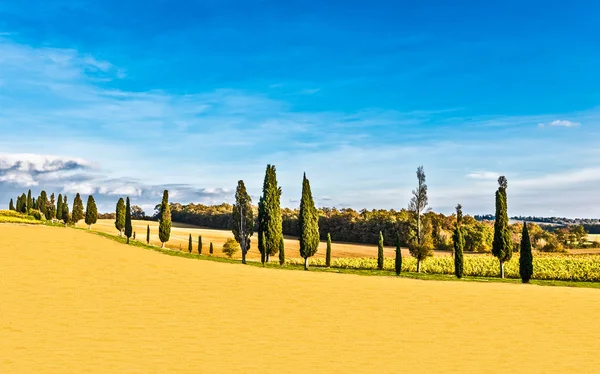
x,y
502,245
59,210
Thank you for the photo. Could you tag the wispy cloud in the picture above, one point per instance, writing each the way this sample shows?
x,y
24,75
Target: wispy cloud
x,y
559,123
483,175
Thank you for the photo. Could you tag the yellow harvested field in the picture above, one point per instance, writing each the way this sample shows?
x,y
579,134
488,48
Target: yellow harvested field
x,y
180,237
73,302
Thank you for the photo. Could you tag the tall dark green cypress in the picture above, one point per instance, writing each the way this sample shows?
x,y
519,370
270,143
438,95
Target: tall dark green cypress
x,y
77,214
263,253
398,262
502,244
148,234
210,249
459,244
42,203
128,227
34,204
190,244
91,212
59,208
29,201
525,256
281,252
261,229
328,253
380,252
308,223
199,245
18,206
271,224
120,216
164,228
24,203
11,205
242,218
65,211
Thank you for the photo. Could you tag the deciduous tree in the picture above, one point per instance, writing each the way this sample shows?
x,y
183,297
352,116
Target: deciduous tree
x,y
230,247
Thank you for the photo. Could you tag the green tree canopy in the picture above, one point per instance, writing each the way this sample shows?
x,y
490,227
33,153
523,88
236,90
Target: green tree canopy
x,y
243,219
308,221
128,226
120,216
164,229
91,212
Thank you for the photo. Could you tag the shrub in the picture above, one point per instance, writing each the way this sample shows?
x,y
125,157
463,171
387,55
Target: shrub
x,y
230,247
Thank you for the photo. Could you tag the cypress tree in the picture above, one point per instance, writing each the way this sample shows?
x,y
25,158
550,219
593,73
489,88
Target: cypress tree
x,y
398,262
128,227
308,222
380,252
134,235
525,256
35,204
211,248
190,244
263,253
23,203
271,219
120,216
502,244
199,244
148,235
59,208
29,201
261,229
77,209
11,205
281,252
328,253
18,207
42,203
164,228
65,211
51,207
91,212
459,244
242,219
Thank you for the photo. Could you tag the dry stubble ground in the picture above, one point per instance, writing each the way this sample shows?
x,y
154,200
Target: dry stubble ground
x,y
75,302
180,236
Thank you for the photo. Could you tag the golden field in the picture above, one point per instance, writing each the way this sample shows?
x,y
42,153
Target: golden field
x,y
180,236
73,302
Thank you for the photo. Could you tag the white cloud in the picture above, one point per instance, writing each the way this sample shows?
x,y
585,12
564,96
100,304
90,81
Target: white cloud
x,y
483,175
560,123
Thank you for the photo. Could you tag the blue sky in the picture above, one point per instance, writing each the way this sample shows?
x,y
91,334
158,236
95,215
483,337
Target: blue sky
x,y
127,98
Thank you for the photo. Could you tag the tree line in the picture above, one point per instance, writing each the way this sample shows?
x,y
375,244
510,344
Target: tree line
x,y
417,227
